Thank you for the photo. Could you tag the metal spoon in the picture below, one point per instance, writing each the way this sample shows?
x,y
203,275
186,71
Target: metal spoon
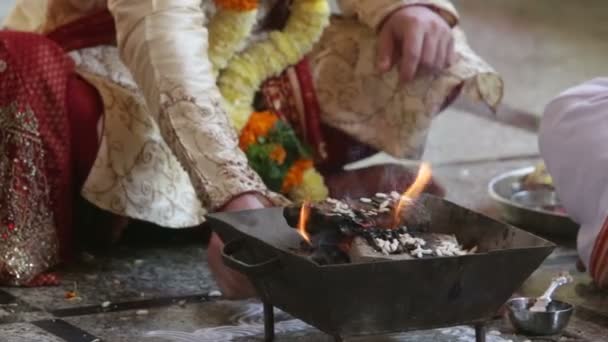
x,y
543,301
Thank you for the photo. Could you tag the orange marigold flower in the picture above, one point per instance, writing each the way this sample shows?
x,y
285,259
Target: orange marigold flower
x,y
260,123
237,5
71,295
246,139
278,154
294,176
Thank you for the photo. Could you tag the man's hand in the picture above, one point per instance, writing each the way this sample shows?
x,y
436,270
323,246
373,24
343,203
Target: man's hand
x,y
247,202
233,284
415,37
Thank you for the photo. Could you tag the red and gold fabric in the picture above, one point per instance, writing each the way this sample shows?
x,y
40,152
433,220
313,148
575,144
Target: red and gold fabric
x,y
598,267
35,157
41,168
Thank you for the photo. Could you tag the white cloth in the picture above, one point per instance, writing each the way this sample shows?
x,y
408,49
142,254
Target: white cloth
x,y
573,140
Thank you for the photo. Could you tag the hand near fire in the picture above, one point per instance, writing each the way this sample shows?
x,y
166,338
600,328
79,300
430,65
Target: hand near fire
x,y
415,37
233,285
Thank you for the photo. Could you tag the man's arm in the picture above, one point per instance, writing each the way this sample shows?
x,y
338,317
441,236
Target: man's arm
x,y
164,44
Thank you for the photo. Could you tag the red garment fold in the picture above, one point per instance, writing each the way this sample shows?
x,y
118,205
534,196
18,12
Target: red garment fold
x,y
92,30
48,143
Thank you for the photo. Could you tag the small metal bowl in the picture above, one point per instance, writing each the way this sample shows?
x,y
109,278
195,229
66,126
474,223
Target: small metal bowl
x,y
551,322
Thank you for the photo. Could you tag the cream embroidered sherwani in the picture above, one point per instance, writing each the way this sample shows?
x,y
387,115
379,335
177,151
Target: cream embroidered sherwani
x,y
168,154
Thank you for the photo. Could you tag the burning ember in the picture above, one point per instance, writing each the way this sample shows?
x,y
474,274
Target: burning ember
x,y
422,179
303,221
335,231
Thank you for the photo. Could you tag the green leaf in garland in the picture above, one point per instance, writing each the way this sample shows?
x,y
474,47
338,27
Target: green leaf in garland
x,y
270,171
284,135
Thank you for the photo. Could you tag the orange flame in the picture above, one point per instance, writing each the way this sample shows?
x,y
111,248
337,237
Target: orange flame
x,y
422,179
303,221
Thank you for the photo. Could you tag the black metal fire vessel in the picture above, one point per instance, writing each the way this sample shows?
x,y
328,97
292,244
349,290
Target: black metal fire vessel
x,y
389,296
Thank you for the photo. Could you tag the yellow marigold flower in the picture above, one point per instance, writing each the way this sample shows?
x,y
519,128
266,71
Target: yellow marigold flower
x,y
228,32
312,188
295,175
278,154
237,5
239,117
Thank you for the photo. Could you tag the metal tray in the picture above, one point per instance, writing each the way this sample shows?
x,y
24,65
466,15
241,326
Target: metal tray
x,y
505,190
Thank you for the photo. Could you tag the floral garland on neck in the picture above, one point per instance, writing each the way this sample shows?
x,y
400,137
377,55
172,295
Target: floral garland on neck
x,y
229,28
271,146
244,72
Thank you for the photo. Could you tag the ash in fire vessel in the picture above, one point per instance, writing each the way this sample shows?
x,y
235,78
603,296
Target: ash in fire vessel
x,y
385,226
364,230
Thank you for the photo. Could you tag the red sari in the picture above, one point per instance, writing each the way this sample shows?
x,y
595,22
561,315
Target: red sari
x,y
44,107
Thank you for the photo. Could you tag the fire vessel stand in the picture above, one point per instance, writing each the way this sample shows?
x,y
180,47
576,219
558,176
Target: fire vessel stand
x,y
269,334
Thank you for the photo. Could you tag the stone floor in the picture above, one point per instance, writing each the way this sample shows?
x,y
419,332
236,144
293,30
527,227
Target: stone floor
x,y
160,289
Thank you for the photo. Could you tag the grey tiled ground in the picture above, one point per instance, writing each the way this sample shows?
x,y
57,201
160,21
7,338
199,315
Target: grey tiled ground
x,y
23,332
457,136
128,275
197,322
541,46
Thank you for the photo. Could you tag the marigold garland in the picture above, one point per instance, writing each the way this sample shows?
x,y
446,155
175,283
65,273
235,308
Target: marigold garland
x,y
275,152
258,126
245,72
241,75
228,30
295,175
312,187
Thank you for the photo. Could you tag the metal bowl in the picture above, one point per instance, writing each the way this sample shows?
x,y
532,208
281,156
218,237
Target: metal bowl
x,y
534,210
551,322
